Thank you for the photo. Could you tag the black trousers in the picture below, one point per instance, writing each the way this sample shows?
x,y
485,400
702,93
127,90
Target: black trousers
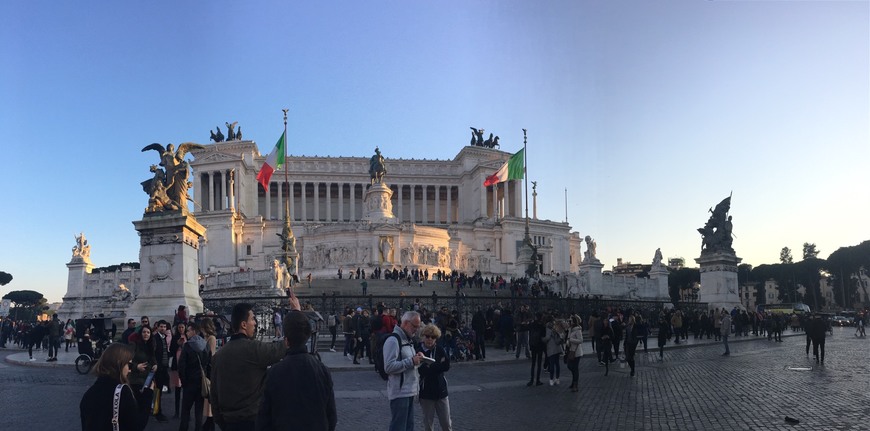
x,y
537,358
192,397
817,346
573,366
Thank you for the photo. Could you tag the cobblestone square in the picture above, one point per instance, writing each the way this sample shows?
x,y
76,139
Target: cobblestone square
x,y
694,388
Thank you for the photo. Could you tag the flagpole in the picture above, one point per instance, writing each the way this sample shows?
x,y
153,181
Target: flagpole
x,y
284,163
526,183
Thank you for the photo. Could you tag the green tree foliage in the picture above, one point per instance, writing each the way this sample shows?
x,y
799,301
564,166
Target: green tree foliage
x,y
5,278
682,278
844,262
810,251
785,256
31,302
807,273
113,268
25,298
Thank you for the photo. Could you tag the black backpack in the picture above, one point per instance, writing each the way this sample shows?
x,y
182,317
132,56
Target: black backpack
x,y
378,355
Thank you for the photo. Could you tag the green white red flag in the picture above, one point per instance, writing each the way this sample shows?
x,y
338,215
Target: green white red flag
x,y
512,170
274,160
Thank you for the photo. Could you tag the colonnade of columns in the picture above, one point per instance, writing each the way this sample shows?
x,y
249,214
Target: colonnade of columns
x,y
504,199
325,202
213,191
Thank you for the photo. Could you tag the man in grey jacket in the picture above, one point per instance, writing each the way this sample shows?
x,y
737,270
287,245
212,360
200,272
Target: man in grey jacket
x,y
400,362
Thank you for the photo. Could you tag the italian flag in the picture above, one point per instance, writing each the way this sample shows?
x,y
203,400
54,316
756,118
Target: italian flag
x,y
274,160
512,170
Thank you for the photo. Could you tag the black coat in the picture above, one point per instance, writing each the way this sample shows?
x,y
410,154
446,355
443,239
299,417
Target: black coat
x,y
189,365
96,407
298,395
433,385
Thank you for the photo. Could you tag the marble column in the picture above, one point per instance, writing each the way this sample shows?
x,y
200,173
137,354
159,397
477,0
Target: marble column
x,y
268,214
328,201
449,217
316,186
413,204
425,189
304,201
437,219
341,201
352,201
280,201
399,209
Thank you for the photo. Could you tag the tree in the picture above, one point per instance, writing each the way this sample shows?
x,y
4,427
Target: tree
x,y
841,264
810,251
26,299
5,278
785,256
683,278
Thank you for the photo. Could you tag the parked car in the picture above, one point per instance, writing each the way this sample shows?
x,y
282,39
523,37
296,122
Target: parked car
x,y
841,321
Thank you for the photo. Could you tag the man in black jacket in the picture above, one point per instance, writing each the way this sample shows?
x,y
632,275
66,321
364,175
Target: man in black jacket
x,y
298,393
194,360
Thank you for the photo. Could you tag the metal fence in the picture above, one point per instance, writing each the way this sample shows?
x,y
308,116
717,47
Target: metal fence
x,y
466,306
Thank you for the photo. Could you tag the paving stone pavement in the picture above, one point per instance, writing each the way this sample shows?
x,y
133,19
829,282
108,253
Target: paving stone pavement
x,y
692,389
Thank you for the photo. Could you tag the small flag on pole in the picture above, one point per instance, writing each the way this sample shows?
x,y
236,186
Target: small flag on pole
x,y
512,170
274,161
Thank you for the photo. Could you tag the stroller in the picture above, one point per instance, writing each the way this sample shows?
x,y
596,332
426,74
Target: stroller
x,y
464,345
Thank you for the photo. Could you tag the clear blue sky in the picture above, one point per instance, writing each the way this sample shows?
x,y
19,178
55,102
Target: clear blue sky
x,y
649,113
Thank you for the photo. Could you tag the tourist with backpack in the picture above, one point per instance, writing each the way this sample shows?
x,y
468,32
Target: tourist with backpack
x,y
399,362
194,362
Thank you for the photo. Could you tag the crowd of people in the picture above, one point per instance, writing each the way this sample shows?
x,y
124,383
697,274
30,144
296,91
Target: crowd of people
x,y
246,384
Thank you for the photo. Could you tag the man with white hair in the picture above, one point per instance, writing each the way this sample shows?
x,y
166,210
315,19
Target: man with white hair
x,y
400,363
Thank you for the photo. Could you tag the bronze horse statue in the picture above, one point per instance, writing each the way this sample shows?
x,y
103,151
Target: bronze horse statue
x,y
377,168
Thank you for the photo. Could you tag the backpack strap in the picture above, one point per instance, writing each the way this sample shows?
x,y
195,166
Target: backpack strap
x,y
116,407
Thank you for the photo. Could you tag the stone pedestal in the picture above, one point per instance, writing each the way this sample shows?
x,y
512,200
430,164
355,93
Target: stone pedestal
x,y
168,260
719,279
660,274
73,302
591,270
378,204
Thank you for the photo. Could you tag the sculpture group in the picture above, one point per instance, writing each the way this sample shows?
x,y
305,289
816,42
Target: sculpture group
x,y
232,135
477,139
717,232
167,190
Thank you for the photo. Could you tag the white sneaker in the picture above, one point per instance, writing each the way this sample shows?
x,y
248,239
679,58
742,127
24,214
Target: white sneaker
x,y
31,359
332,350
551,382
557,382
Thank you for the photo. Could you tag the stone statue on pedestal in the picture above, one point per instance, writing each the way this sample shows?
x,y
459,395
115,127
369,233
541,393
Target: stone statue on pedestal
x,y
377,167
716,233
167,190
590,249
82,249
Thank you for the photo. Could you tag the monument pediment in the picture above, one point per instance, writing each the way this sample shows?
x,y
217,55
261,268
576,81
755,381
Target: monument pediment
x,y
217,157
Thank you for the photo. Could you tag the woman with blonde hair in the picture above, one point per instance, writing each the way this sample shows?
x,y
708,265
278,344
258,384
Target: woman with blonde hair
x,y
433,385
575,350
110,400
554,339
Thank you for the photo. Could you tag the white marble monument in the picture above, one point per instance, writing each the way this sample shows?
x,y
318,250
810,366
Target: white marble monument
x,y
168,244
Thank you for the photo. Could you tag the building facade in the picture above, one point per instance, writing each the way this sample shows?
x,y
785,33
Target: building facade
x,y
444,218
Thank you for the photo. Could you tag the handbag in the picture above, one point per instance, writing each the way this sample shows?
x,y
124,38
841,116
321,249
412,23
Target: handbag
x,y
205,389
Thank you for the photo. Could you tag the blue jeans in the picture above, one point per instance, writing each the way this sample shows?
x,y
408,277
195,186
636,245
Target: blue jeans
x,y
553,365
725,342
402,414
